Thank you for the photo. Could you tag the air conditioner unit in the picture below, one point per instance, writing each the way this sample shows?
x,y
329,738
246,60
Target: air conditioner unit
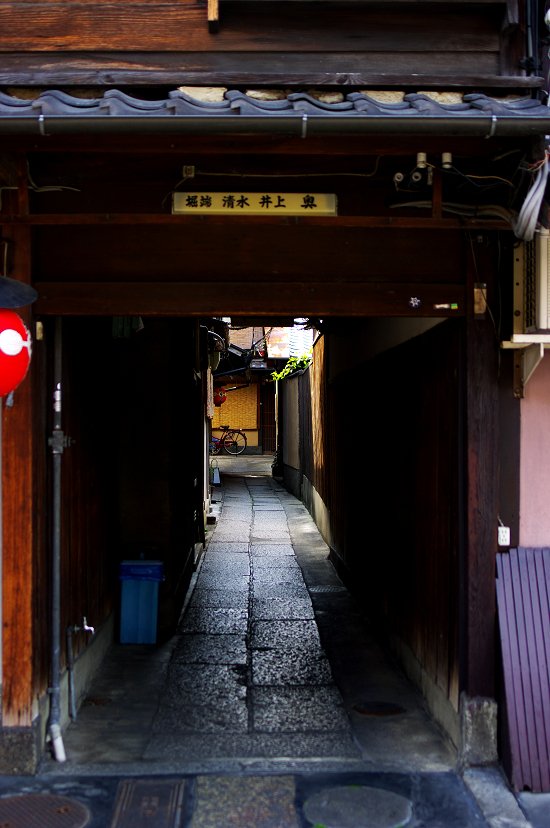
x,y
532,289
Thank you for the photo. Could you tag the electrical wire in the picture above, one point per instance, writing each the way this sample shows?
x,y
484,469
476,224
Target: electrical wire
x,y
474,178
287,175
524,227
204,174
48,188
467,210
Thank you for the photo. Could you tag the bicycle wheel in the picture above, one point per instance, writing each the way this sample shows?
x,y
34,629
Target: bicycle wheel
x,y
234,442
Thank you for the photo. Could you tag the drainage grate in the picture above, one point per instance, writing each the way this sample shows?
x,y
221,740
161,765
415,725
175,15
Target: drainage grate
x,y
42,811
327,588
378,708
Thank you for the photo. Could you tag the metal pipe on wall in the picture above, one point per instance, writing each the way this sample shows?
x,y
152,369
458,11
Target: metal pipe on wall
x,y
57,444
301,125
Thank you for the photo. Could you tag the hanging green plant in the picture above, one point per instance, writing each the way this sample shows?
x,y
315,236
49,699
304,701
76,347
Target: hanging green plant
x,y
293,365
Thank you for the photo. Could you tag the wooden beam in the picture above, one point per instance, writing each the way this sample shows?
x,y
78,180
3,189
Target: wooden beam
x,y
334,222
245,298
204,147
286,70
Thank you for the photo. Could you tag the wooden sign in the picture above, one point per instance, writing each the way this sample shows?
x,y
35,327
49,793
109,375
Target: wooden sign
x,y
255,204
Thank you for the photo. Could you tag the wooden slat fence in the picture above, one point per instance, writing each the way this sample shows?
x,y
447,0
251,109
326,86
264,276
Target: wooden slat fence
x,y
523,595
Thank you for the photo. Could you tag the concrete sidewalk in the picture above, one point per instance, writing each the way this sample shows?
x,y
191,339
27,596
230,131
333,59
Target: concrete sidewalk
x,y
272,707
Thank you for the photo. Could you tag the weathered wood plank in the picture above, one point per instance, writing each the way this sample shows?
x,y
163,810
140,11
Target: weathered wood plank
x,y
18,533
232,69
220,299
165,27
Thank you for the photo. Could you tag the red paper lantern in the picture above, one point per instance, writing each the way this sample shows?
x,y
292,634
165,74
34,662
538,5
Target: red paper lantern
x,y
15,351
220,396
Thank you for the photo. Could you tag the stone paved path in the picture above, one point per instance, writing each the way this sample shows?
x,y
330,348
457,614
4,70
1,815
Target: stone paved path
x,y
248,668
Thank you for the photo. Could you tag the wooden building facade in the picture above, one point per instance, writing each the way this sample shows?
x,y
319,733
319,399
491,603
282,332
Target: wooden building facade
x,y
428,128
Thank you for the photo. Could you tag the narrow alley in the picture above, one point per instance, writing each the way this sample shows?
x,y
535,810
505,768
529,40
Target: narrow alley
x,y
272,706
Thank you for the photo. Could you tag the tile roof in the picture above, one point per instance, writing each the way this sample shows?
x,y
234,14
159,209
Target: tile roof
x,y
355,109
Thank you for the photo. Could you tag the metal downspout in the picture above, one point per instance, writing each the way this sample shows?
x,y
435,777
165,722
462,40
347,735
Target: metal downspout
x,y
57,444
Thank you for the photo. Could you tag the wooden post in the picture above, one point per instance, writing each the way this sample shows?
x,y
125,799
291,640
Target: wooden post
x,y
478,622
18,521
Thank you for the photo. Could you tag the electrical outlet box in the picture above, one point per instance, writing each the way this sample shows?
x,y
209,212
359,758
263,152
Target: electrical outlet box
x,y
504,536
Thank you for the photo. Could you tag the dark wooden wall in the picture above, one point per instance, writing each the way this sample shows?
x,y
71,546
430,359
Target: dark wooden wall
x,y
128,477
395,449
134,42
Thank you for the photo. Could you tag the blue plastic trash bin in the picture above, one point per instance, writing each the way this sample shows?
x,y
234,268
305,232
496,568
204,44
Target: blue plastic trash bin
x,y
139,601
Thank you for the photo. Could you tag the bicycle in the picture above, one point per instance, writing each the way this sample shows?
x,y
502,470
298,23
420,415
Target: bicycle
x,y
233,441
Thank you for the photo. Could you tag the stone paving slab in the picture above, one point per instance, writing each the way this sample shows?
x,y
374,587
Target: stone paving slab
x,y
260,549
268,535
223,568
221,556
228,598
282,590
271,609
269,520
261,508
192,682
283,749
278,634
216,547
278,575
256,802
304,710
201,648
215,620
284,668
274,562
227,717
212,580
236,521
231,537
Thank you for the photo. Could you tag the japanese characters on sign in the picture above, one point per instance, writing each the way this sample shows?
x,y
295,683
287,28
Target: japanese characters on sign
x,y
289,204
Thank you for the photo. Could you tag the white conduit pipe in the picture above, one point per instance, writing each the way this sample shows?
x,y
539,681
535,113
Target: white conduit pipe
x,y
526,223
